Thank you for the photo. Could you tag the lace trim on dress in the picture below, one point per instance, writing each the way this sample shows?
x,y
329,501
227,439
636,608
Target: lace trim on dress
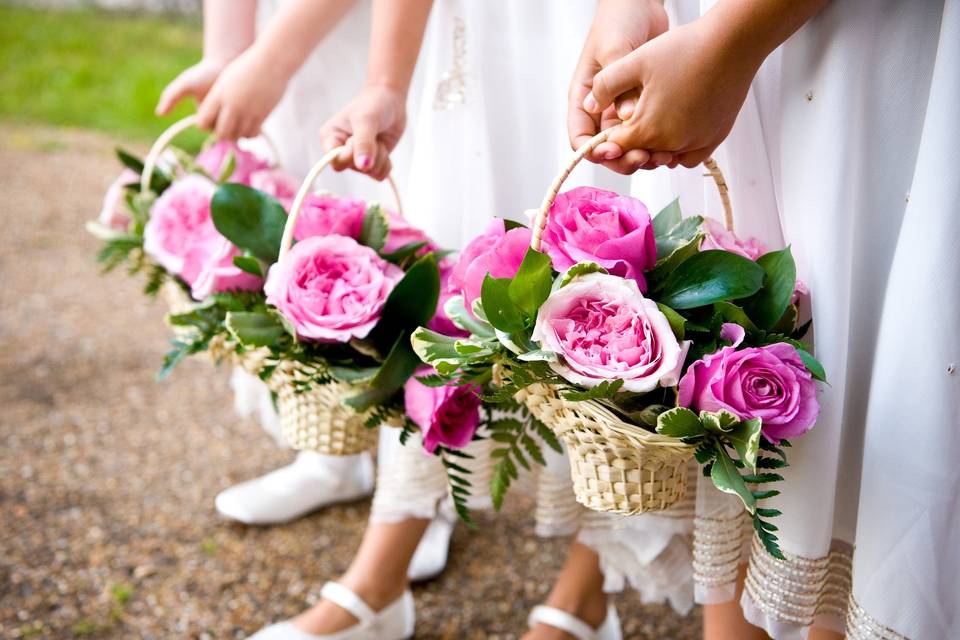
x,y
862,626
452,88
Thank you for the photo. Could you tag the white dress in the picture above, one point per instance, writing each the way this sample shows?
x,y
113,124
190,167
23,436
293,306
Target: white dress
x,y
848,148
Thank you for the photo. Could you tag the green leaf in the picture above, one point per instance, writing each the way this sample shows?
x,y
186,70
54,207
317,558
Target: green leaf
x,y
510,225
435,349
709,277
254,329
579,269
159,181
760,478
788,321
767,306
538,355
677,323
405,252
250,219
679,422
411,304
720,422
649,415
727,478
667,219
499,307
745,438
248,264
606,389
680,235
730,312
531,285
375,228
457,312
813,365
666,265
354,375
399,365
546,434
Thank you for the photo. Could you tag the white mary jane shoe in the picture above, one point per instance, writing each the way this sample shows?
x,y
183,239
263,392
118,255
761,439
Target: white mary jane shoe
x,y
609,630
430,558
311,482
393,622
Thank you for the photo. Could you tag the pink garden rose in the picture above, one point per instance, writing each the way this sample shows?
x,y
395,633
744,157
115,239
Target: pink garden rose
x,y
588,224
277,183
331,288
717,237
218,273
180,227
447,416
769,382
213,160
440,322
602,328
323,215
402,233
113,213
497,252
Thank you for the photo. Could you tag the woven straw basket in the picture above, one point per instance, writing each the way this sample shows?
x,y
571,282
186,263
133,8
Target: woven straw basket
x,y
315,418
615,466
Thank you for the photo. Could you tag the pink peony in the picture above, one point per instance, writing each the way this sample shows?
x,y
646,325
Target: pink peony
x,y
277,183
331,288
324,215
588,224
113,213
497,252
402,233
213,160
769,382
218,273
440,322
717,237
602,328
179,225
447,416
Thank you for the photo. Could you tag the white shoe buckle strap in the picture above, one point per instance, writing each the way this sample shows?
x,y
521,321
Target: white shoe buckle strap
x,y
349,601
542,614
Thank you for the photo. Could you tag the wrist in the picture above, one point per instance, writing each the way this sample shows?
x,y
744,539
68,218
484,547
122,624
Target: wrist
x,y
276,61
734,43
389,86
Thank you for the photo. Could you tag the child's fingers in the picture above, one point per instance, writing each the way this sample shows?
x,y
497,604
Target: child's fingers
x,y
383,166
693,158
174,92
629,163
228,124
364,142
616,79
581,126
626,104
209,111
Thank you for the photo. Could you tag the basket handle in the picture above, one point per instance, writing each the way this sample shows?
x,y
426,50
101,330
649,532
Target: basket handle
x,y
165,138
540,221
287,240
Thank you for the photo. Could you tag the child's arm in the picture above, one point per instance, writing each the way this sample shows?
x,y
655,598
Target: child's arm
x,y
252,85
228,29
695,78
374,121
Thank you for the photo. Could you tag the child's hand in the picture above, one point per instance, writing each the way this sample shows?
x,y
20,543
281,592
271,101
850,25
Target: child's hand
x,y
193,82
242,97
693,84
370,126
619,27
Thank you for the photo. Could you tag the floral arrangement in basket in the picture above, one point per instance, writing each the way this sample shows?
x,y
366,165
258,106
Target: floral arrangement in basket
x,y
320,303
640,342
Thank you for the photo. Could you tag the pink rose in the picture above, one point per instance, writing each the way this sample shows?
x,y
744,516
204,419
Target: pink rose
x,y
113,213
497,252
331,288
447,416
402,233
324,215
440,322
277,183
218,273
615,231
602,328
769,382
719,238
213,160
179,225
800,290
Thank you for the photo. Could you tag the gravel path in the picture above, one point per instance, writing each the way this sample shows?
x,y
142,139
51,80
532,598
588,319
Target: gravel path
x,y
107,478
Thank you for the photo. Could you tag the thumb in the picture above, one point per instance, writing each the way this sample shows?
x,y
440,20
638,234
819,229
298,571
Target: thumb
x,y
172,94
620,77
364,141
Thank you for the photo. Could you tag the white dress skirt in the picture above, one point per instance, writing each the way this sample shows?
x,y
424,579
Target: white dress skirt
x,y
848,148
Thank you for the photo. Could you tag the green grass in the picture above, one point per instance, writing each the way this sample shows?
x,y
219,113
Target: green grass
x,y
91,69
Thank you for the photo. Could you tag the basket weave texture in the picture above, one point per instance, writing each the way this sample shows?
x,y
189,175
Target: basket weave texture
x,y
616,467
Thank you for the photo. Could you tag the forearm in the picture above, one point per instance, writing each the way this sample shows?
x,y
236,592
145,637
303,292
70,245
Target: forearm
x,y
752,29
229,27
296,30
395,40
